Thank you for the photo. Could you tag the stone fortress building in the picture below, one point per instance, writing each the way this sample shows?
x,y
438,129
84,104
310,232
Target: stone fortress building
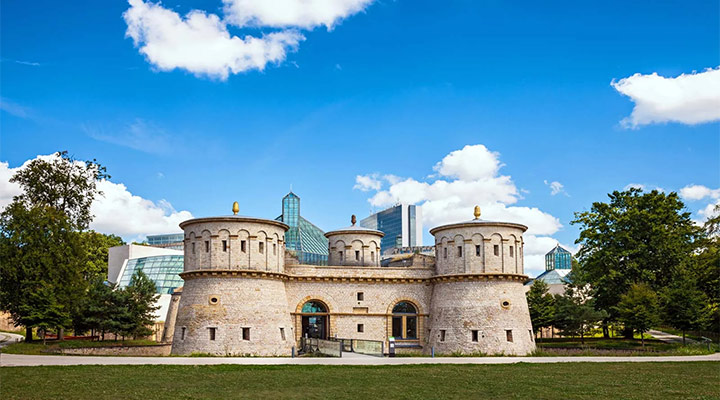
x,y
240,297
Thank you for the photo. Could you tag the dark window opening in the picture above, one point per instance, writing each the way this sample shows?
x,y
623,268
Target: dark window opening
x,y
212,333
361,328
442,335
512,251
459,251
340,254
475,335
207,246
360,296
508,334
282,334
193,248
357,255
261,247
477,251
496,250
444,252
246,333
224,244
182,333
242,246
404,321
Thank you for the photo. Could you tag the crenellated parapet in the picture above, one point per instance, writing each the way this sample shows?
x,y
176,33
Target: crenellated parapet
x,y
354,246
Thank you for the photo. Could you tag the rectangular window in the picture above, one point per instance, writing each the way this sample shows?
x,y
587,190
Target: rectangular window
x,y
397,329
207,246
372,256
212,333
224,242
182,333
193,247
512,251
357,255
274,249
508,334
442,335
246,333
459,251
475,335
360,296
477,250
496,250
282,334
340,254
242,246
361,328
444,252
261,247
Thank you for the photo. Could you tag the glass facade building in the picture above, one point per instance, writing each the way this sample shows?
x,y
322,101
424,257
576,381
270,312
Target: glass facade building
x,y
558,258
168,241
163,270
304,240
401,224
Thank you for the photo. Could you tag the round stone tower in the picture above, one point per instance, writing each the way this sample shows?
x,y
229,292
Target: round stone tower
x,y
233,300
354,246
478,301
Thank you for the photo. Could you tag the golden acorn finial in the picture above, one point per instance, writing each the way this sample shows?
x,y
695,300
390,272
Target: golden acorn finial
x,y
477,212
236,208
353,220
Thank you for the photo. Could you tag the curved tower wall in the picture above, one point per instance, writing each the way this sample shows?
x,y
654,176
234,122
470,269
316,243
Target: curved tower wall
x,y
354,248
233,300
478,302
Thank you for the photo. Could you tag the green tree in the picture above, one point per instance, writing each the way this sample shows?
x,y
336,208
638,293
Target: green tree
x,y
575,313
634,238
141,296
541,305
638,309
96,253
684,306
38,250
44,311
40,245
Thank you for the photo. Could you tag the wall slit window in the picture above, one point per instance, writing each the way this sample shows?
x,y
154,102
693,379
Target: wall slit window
x,y
496,250
182,333
475,335
404,321
242,246
357,255
274,249
245,333
224,244
360,328
212,333
360,296
477,250
282,334
193,247
207,246
459,251
442,335
444,252
261,247
512,251
508,334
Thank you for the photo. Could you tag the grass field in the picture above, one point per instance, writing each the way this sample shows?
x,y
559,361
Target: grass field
x,y
696,380
52,347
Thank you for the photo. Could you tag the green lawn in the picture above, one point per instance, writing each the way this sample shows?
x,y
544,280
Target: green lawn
x,y
617,346
696,380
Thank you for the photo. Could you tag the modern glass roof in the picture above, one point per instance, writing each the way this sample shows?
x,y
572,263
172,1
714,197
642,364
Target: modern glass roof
x,y
163,270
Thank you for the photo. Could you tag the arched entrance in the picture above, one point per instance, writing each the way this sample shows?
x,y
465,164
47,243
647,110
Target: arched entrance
x,y
315,320
404,321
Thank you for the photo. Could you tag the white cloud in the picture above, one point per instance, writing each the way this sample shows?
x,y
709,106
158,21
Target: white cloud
x,y
138,135
689,98
306,14
466,178
710,210
555,187
117,211
699,192
366,183
13,108
200,42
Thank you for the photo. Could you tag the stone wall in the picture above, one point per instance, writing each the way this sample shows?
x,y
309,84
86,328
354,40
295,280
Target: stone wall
x,y
348,248
154,350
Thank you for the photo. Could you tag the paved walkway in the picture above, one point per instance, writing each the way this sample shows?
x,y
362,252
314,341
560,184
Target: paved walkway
x,y
9,360
669,337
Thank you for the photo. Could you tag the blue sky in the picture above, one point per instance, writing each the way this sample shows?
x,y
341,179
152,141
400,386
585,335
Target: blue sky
x,y
390,90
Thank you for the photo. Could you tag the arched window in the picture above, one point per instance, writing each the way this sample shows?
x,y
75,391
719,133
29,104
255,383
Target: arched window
x,y
404,321
314,307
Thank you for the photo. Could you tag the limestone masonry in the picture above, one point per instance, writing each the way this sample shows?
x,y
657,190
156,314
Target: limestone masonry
x,y
240,297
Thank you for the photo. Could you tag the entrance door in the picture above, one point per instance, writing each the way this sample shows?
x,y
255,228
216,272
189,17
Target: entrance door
x,y
314,326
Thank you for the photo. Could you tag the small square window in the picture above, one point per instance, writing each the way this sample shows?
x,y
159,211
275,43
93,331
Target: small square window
x,y
282,334
224,244
361,328
261,247
207,246
459,254
242,246
357,255
477,250
442,335
475,335
496,250
512,251
360,296
508,334
212,333
246,333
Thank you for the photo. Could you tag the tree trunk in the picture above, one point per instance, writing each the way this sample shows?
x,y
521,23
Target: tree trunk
x,y
642,339
44,335
627,333
28,334
61,333
606,331
582,336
